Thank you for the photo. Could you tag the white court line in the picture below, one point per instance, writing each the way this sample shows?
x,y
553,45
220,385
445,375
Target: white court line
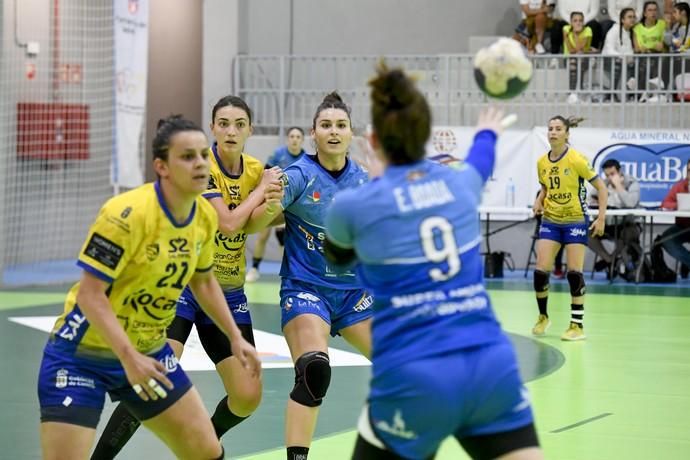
x,y
272,348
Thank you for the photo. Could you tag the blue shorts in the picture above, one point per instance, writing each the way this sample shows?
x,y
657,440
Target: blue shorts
x,y
339,308
478,391
72,388
575,233
189,308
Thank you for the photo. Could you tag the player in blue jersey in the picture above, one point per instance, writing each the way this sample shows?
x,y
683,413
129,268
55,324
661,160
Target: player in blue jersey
x,y
283,157
316,300
246,197
441,364
144,247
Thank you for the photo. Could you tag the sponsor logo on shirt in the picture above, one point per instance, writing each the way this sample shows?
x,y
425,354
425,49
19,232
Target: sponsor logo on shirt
x,y
561,198
71,327
104,251
178,246
150,304
152,251
315,196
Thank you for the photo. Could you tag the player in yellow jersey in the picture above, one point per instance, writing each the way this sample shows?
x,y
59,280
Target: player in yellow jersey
x,y
562,203
246,198
144,247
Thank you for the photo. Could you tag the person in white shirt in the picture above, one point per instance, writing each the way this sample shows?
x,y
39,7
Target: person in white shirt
x,y
615,7
590,8
619,43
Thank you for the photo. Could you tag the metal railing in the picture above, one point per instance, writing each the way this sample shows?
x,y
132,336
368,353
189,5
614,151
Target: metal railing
x,y
609,92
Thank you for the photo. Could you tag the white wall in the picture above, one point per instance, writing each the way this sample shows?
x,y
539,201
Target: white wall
x,y
372,27
221,42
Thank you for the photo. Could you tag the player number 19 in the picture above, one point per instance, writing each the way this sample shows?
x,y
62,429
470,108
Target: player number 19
x,y
448,252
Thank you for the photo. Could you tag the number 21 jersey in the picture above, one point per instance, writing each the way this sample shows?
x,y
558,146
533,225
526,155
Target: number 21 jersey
x,y
148,258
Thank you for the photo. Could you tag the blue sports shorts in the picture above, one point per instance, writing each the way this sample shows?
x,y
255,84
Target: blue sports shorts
x,y
339,308
189,308
472,392
575,233
72,388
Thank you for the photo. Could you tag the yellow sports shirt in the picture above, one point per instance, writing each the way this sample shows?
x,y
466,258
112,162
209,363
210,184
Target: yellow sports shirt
x,y
564,179
650,37
229,253
148,259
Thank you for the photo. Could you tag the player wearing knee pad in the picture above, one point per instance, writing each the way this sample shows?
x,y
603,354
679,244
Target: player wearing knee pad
x,y
562,173
312,378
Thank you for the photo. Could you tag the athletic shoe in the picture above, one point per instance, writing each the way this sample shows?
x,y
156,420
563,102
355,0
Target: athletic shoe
x,y
573,333
252,275
542,325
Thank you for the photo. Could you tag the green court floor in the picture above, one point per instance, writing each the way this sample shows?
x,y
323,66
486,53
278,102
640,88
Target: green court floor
x,y
622,394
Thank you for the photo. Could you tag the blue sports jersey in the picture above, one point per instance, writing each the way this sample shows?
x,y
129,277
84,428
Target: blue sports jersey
x,y
416,233
309,189
283,158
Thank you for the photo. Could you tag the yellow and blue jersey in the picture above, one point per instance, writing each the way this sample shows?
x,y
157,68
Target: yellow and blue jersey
x,y
233,189
564,180
148,258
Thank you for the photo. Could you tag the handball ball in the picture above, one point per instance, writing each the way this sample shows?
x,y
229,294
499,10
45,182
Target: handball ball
x,y
502,70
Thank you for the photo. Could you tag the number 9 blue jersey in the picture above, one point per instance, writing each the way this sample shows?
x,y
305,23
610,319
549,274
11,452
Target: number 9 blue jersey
x,y
416,233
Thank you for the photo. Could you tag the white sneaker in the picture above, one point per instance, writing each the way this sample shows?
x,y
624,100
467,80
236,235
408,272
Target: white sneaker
x,y
632,84
539,48
572,99
252,275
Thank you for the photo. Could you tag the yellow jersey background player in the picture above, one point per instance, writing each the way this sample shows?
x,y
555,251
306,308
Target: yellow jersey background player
x,y
562,203
143,248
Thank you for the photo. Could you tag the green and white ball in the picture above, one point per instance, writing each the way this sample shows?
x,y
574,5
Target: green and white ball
x,y
502,70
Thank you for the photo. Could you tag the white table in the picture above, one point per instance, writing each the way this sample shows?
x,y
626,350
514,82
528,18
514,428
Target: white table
x,y
524,214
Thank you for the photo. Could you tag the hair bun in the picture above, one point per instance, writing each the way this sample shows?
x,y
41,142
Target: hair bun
x,y
574,122
392,90
164,121
332,98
